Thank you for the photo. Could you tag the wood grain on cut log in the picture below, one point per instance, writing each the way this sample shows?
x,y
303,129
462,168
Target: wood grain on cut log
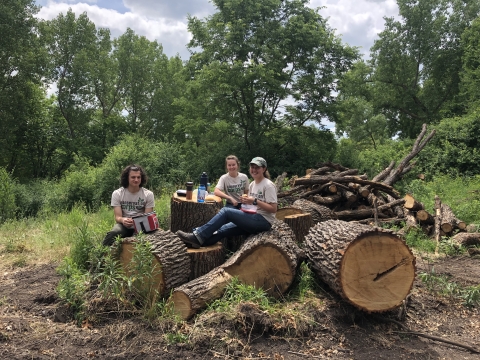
x,y
189,214
267,260
171,263
205,259
372,268
300,225
412,204
466,239
319,212
424,217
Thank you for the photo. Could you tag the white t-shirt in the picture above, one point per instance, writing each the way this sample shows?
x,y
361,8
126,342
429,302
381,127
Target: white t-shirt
x,y
233,186
132,204
265,191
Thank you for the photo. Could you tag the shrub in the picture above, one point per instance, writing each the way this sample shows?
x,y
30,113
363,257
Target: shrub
x,y
7,196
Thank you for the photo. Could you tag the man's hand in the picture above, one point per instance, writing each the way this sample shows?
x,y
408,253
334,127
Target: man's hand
x,y
127,222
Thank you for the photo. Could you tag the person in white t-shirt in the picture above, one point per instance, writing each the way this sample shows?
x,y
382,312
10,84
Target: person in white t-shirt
x,y
257,213
233,184
129,200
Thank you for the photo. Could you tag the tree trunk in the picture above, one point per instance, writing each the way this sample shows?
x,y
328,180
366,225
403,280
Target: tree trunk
x,y
189,214
438,221
171,263
319,213
267,260
205,259
372,268
300,225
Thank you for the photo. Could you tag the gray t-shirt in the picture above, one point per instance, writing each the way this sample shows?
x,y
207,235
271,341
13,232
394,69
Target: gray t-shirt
x,y
265,191
132,204
233,186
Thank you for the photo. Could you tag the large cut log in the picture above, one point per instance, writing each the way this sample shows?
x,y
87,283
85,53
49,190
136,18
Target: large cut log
x,y
170,263
267,260
300,225
205,259
327,200
189,214
467,239
412,204
371,268
319,212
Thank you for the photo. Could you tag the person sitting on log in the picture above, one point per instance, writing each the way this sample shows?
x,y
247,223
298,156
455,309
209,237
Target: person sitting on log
x,y
256,215
233,184
129,200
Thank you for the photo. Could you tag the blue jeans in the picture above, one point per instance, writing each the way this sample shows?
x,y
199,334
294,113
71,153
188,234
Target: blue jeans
x,y
230,222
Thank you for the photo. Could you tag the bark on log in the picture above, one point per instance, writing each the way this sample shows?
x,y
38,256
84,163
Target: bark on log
x,y
326,200
346,179
412,204
449,221
189,214
438,221
472,228
170,264
266,260
372,268
279,182
319,213
366,213
397,173
467,239
300,225
233,243
409,219
424,217
205,259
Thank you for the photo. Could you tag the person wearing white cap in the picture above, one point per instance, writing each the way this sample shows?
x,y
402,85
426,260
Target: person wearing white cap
x,y
257,213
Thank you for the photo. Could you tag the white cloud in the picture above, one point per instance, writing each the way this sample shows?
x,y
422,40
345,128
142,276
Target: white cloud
x,y
176,9
172,34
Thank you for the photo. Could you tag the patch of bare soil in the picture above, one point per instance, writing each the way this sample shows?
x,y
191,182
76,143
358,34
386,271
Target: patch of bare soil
x,y
34,325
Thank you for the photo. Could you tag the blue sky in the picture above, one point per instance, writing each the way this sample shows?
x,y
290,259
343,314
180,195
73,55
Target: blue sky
x,y
356,21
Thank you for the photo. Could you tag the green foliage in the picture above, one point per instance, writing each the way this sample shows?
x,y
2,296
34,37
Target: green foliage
x,y
470,76
73,285
415,238
235,293
30,198
460,193
7,196
455,148
83,244
441,285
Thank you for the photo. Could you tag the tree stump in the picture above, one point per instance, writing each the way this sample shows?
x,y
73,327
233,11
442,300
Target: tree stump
x,y
371,268
189,214
300,225
287,211
267,260
424,217
205,259
171,263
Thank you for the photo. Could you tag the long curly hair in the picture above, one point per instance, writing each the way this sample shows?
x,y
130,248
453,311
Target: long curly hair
x,y
126,172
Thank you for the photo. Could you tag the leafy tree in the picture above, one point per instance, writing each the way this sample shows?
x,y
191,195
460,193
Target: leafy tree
x,y
471,65
21,66
417,62
258,66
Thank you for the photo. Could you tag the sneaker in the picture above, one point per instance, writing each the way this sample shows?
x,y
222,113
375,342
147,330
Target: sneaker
x,y
189,239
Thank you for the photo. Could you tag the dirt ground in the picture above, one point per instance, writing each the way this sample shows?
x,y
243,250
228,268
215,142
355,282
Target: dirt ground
x,y
33,326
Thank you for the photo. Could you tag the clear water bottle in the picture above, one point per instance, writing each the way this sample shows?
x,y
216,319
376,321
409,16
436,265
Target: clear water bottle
x,y
201,193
